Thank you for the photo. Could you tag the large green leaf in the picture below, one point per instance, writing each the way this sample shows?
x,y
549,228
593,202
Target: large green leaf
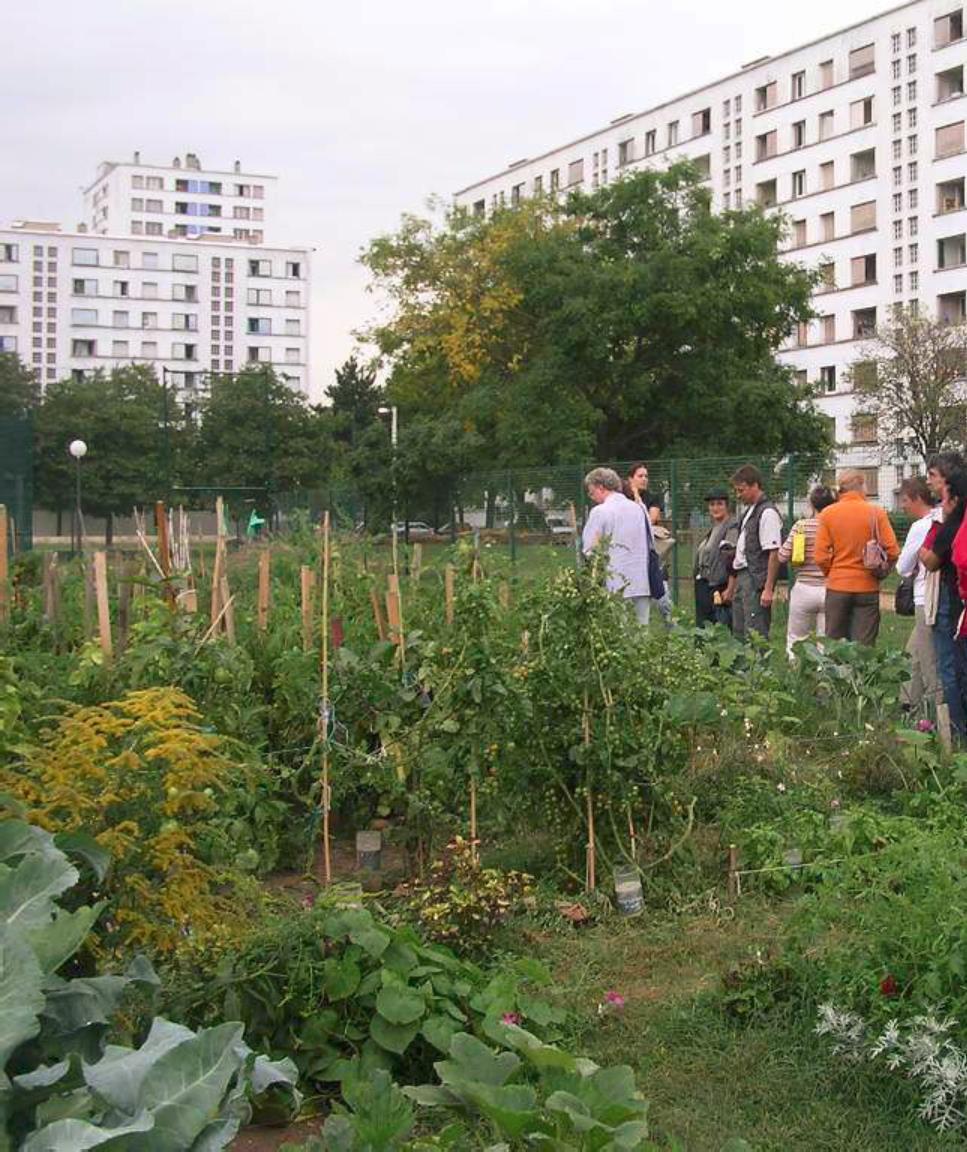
x,y
55,942
341,977
83,846
440,1031
399,1004
119,1075
21,995
512,1108
27,892
471,1060
18,838
184,1088
75,1004
79,1135
393,1037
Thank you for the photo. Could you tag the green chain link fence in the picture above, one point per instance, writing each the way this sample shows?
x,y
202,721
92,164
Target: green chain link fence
x,y
16,478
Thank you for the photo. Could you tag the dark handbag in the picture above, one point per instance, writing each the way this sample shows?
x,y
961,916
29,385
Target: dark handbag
x,y
903,603
656,578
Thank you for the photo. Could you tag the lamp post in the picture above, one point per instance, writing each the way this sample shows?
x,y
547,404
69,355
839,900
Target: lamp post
x,y
77,449
393,413
166,440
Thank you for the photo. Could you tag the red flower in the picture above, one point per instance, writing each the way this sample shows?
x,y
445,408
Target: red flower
x,y
889,986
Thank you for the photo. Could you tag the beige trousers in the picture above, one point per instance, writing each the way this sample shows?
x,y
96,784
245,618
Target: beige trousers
x,y
807,612
923,687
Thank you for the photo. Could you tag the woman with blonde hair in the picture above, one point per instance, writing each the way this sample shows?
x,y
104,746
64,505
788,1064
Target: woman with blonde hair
x,y
807,601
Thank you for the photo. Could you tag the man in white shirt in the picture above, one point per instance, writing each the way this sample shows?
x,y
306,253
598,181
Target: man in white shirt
x,y
751,588
617,523
923,687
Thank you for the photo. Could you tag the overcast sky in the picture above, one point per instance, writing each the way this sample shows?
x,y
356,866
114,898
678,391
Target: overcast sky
x,y
363,108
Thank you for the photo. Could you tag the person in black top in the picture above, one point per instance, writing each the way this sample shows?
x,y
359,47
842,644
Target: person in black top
x,y
636,488
936,556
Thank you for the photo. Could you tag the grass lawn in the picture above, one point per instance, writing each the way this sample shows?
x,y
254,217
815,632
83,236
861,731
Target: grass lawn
x,y
771,1082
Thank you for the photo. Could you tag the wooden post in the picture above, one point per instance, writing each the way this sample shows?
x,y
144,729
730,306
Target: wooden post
x,y
87,570
228,609
416,564
503,593
632,835
944,729
103,607
265,567
449,576
4,566
473,819
164,550
378,614
733,881
124,605
393,609
218,565
591,864
324,710
307,579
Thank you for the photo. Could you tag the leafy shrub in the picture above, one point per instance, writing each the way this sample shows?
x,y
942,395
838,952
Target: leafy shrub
x,y
148,782
61,1086
462,903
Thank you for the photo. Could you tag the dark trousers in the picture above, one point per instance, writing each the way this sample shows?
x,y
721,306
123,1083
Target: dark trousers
x,y
748,614
951,656
706,610
853,616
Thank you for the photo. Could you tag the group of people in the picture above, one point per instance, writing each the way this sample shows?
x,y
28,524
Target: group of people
x,y
839,554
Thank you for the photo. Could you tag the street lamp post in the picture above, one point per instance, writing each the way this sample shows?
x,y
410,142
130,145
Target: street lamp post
x,y
166,441
77,449
393,413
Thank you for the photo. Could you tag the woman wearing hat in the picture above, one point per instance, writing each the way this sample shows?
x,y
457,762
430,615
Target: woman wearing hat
x,y
713,556
807,600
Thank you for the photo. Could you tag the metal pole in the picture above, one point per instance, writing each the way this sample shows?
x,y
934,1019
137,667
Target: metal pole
x,y
77,502
166,441
673,484
513,510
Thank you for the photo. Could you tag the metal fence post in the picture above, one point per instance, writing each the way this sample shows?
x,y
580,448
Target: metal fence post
x,y
513,511
791,482
673,484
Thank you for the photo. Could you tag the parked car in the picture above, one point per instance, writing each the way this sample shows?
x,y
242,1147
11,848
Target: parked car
x,y
559,525
414,528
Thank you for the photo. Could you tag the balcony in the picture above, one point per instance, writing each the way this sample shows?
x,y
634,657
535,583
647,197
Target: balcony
x,y
862,165
950,196
949,140
766,195
83,348
952,307
950,84
952,252
948,29
864,323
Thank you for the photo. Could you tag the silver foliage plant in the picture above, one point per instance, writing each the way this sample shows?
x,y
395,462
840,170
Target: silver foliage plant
x,y
921,1048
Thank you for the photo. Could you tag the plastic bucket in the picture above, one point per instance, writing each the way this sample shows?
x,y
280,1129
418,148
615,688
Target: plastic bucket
x,y
627,891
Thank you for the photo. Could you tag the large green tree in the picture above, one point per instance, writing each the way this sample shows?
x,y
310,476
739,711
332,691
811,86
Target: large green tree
x,y
19,387
627,321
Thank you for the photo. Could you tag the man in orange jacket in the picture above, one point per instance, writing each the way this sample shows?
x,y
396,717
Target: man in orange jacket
x,y
852,589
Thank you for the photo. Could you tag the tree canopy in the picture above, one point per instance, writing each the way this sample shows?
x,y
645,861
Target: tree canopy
x,y
628,321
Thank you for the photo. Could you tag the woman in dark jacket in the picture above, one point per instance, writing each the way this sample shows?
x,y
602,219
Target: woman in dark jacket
x,y
713,556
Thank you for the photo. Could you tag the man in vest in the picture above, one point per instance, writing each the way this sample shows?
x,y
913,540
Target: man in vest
x,y
751,587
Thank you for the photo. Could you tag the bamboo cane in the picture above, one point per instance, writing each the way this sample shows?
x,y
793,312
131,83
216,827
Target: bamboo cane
x,y
307,579
265,568
449,577
324,709
591,864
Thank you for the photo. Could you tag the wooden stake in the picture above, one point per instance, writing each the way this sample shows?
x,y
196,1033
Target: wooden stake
x,y
473,819
307,579
218,565
591,865
164,550
449,577
632,836
393,609
265,566
103,608
416,564
378,614
228,600
943,727
733,881
87,569
324,710
124,605
4,566
503,594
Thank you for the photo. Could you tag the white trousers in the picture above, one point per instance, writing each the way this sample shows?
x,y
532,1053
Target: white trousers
x,y
641,606
807,612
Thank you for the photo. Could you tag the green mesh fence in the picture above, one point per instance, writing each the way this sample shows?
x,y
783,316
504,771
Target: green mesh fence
x,y
16,478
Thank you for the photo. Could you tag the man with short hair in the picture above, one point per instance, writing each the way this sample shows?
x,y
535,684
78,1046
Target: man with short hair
x,y
923,687
853,589
616,523
755,568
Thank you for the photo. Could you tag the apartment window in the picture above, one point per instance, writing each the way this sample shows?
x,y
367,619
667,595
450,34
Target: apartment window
x,y
897,257
766,193
738,173
825,125
897,176
726,109
799,134
122,259
78,287
292,355
895,42
83,348
897,96
8,283
950,84
122,287
154,183
555,179
912,172
183,263
259,326
673,134
702,122
293,300
137,204
863,270
898,283
83,315
827,328
738,129
952,307
738,151
897,149
765,145
912,145
913,226
149,349
864,323
258,354
951,252
896,70
911,117
912,91
863,216
911,37
120,319
911,63
864,426
914,281
575,175
8,314
827,377
651,143
260,296
897,201
293,268
826,175
187,292
119,348
149,289
950,196
137,181
149,259
897,122
184,351
827,275
184,321
727,155
149,319
827,226
861,61
798,85
948,29
84,256
861,112
765,97
478,208
912,198
154,206
293,328
897,229
153,228
826,74
863,164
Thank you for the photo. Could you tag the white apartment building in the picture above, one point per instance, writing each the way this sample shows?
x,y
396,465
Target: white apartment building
x,y
190,304
180,199
859,139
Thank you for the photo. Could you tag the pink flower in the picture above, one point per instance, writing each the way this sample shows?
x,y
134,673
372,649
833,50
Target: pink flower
x,y
309,900
889,986
614,1000
925,725
510,1018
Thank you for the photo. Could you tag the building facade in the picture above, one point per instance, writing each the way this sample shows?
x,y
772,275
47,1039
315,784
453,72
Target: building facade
x,y
183,297
859,139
